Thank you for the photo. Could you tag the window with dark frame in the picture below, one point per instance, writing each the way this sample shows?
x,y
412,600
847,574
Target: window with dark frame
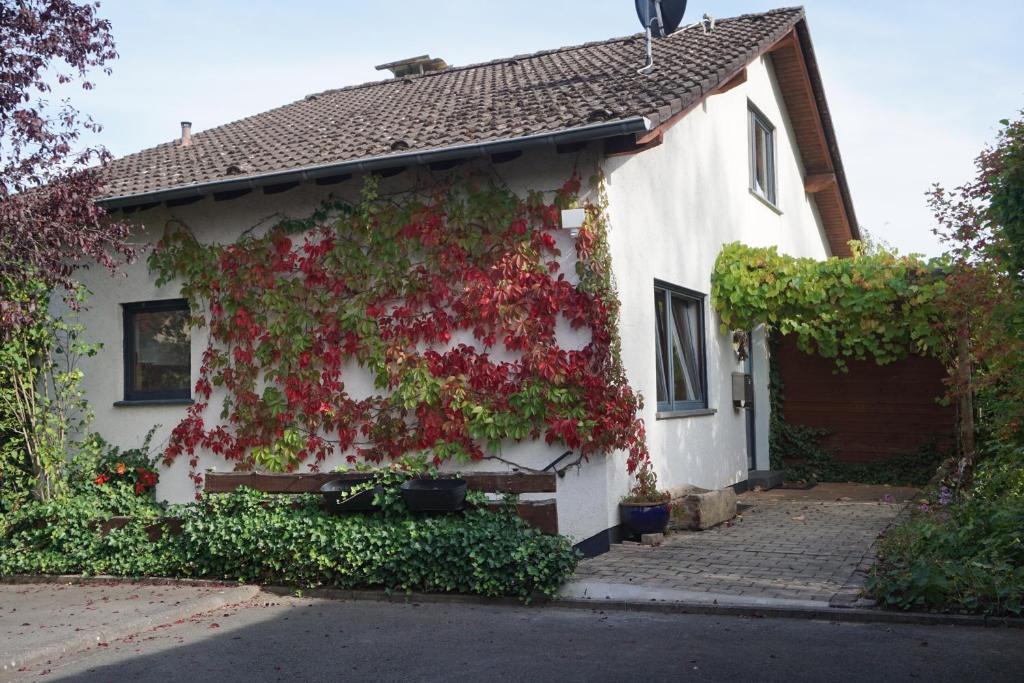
x,y
157,351
762,156
679,339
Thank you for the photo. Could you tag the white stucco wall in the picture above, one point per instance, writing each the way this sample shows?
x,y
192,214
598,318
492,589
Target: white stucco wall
x,y
671,209
581,512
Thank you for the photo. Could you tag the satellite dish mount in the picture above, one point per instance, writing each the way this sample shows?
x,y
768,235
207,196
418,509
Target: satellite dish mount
x,y
659,19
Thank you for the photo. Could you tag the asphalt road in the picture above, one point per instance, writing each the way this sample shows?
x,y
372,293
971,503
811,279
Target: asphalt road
x,y
294,639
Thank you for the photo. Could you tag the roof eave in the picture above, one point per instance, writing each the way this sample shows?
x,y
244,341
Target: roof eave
x,y
597,131
826,122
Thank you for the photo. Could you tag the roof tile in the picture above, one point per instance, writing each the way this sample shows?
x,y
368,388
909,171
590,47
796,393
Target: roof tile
x,y
512,97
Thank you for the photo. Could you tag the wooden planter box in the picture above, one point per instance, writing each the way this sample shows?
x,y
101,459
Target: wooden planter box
x,y
541,514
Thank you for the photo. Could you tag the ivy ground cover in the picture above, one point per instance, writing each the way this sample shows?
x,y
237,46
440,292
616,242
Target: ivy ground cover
x,y
257,538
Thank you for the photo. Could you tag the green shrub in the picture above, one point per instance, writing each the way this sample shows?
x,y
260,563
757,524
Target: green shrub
x,y
252,537
806,460
1001,475
62,536
266,539
967,556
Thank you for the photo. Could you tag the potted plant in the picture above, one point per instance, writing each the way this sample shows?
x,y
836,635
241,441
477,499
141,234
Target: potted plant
x,y
646,509
351,495
434,495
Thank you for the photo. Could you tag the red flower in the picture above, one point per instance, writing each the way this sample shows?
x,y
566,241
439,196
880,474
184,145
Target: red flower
x,y
101,480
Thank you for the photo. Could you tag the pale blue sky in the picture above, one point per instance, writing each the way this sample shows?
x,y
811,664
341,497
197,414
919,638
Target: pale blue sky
x,y
916,89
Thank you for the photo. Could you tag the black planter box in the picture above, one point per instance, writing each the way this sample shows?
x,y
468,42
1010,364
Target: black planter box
x,y
434,495
337,498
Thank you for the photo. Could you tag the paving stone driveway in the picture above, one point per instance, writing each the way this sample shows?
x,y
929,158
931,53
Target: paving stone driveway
x,y
796,545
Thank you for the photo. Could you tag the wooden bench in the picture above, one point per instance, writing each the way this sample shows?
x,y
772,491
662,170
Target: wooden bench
x,y
542,514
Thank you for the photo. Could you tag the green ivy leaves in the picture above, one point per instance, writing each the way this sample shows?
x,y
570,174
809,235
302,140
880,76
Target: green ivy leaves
x,y
879,305
257,538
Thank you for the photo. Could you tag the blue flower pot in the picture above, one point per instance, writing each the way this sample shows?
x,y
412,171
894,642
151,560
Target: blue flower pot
x,y
644,518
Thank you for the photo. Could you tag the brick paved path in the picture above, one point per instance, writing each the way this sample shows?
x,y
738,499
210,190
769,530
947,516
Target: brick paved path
x,y
802,545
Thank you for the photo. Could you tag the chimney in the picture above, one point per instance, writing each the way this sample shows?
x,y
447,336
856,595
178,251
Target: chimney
x,y
413,66
186,133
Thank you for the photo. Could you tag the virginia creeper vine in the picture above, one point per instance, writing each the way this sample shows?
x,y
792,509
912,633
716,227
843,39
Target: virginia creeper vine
x,y
449,297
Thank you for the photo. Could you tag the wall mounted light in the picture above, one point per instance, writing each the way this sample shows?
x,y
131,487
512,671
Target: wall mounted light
x,y
572,220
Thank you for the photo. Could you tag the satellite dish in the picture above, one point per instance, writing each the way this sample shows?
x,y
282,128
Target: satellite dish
x,y
661,16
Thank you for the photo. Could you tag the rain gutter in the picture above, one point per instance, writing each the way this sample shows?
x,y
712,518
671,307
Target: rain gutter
x,y
631,126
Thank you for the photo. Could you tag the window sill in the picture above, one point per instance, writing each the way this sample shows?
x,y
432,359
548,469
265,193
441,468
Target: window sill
x,y
154,402
677,414
764,201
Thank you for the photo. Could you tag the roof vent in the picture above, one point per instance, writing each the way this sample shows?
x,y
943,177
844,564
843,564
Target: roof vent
x,y
598,115
236,169
399,145
186,133
413,66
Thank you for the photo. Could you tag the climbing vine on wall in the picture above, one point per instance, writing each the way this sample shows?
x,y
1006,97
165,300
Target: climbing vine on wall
x,y
449,297
880,305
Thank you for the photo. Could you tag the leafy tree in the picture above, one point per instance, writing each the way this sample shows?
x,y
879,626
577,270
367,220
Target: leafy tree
x,y
982,225
49,222
50,225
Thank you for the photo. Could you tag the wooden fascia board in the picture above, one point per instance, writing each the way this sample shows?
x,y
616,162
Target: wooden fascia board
x,y
818,182
737,77
617,150
787,41
819,125
736,81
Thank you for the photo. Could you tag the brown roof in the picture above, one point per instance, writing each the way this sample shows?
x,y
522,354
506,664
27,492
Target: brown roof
x,y
554,91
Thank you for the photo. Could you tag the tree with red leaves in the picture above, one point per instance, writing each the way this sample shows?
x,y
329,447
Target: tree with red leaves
x,y
50,224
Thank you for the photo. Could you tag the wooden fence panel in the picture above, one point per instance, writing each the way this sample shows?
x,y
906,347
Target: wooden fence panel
x,y
873,411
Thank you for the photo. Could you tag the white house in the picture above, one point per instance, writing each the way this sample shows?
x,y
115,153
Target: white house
x,y
727,138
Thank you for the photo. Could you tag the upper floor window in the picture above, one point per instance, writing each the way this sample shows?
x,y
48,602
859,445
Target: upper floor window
x,y
157,350
762,156
679,335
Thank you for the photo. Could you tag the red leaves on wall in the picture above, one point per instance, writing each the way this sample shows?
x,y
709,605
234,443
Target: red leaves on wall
x,y
452,302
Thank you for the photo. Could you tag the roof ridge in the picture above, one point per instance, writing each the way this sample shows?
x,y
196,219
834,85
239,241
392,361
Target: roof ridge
x,y
541,53
236,140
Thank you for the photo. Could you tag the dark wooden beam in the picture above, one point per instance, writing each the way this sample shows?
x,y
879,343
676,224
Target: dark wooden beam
x,y
139,207
154,530
391,172
540,514
623,145
445,165
183,201
787,41
310,482
819,182
737,80
228,195
279,188
333,179
571,147
505,157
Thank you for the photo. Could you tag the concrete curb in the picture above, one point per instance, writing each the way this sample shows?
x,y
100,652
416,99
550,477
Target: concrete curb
x,y
736,609
230,595
837,614
710,604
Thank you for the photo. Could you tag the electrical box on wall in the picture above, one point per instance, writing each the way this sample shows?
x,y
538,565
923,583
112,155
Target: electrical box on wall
x,y
742,390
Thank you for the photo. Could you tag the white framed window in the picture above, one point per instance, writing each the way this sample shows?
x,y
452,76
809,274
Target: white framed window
x,y
679,341
762,156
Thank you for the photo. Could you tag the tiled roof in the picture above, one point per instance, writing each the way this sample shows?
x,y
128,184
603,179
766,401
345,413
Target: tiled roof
x,y
525,95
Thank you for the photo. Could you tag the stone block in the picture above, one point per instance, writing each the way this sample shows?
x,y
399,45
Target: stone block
x,y
697,509
652,539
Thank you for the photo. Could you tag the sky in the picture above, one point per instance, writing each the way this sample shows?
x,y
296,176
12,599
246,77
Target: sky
x,y
916,89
